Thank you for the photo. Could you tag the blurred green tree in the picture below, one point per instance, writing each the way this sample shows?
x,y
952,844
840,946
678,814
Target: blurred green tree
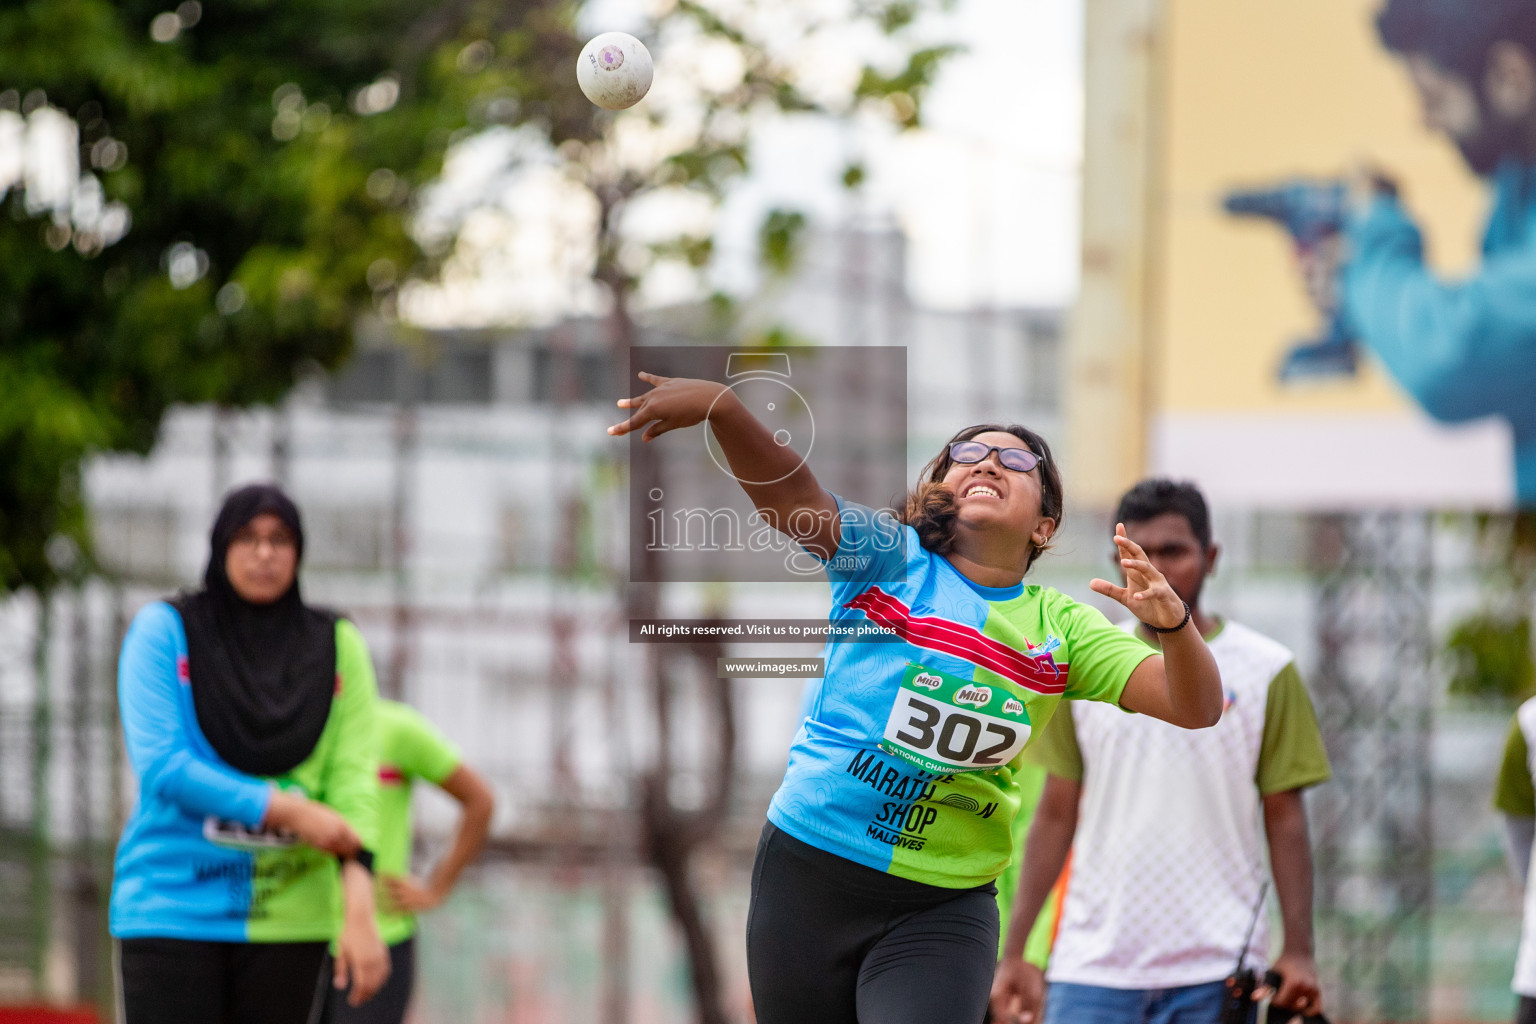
x,y
1489,651
200,200
203,201
1490,654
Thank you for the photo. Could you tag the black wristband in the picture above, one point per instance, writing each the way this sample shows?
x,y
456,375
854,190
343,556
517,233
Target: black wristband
x,y
363,856
1172,629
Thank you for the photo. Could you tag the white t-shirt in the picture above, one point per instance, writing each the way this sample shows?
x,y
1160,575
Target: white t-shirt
x,y
1168,862
1525,960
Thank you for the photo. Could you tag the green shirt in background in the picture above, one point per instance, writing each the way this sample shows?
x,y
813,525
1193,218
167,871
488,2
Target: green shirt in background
x,y
409,748
291,887
1030,779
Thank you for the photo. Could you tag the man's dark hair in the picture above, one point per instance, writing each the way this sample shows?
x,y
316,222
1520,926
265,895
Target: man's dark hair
x,y
1457,34
1152,498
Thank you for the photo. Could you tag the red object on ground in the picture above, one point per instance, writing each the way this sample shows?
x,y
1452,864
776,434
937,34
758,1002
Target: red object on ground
x,y
48,1015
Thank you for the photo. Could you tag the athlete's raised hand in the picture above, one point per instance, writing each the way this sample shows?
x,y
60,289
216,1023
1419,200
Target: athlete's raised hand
x,y
1146,592
672,403
1183,685
774,476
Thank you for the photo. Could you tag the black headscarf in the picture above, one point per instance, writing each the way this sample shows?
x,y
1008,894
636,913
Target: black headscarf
x,y
262,675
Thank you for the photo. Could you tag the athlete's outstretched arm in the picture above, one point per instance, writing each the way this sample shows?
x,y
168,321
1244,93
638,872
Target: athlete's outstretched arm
x,y
1018,985
1183,687
794,504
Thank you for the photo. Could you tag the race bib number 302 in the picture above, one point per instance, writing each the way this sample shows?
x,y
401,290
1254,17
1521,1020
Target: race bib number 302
x,y
945,724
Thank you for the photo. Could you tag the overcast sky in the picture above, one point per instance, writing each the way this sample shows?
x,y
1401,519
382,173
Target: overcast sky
x,y
987,191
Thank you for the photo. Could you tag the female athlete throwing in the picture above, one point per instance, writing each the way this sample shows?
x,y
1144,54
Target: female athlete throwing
x,y
872,892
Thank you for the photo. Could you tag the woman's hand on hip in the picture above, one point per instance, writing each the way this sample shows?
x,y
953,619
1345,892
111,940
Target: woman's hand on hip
x,y
406,894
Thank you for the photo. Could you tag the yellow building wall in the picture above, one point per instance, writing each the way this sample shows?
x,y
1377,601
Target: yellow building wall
x,y
1255,91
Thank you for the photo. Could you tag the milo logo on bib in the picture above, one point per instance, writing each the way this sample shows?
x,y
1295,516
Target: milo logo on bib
x,y
973,696
945,724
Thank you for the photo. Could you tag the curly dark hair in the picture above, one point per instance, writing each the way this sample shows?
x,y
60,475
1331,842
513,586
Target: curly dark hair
x,y
930,507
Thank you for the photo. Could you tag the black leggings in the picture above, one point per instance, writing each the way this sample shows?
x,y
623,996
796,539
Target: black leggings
x,y
389,1004
184,981
836,942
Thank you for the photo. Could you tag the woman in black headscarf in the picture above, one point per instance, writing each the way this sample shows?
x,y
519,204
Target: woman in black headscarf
x,y
249,722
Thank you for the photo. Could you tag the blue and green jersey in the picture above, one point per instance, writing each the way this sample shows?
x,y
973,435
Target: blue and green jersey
x,y
193,862
907,761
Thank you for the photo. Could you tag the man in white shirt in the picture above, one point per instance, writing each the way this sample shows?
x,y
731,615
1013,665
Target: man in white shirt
x,y
1166,827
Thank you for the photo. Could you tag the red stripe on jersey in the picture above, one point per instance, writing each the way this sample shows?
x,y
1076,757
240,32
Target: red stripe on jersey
x,y
966,642
389,775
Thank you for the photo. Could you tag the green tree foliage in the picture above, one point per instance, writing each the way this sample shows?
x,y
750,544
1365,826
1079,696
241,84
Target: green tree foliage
x,y
1490,656
1489,651
779,239
232,137
246,173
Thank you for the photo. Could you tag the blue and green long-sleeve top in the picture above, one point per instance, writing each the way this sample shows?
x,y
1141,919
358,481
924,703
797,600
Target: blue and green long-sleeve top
x,y
193,862
1463,349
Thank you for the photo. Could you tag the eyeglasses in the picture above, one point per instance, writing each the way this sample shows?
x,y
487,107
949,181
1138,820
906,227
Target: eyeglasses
x,y
968,453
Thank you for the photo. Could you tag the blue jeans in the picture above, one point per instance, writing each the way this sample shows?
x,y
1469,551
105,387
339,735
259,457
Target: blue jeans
x,y
1066,1003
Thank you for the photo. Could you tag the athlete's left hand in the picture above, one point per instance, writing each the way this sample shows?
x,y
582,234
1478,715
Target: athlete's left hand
x,y
409,895
362,961
1298,989
1146,592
